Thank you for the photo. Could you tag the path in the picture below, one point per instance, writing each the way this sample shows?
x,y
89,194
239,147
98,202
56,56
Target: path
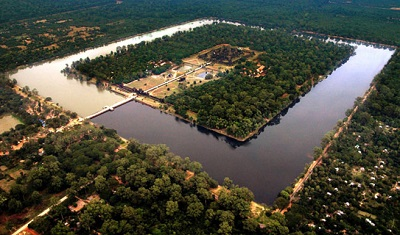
x,y
176,78
45,212
134,96
112,107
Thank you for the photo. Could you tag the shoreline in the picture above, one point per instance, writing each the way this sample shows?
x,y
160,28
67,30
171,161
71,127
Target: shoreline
x,y
24,66
299,183
156,105
345,38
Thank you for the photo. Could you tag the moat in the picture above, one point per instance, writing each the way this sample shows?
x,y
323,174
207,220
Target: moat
x,y
266,164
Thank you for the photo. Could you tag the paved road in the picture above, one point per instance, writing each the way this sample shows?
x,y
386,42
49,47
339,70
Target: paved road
x,y
23,227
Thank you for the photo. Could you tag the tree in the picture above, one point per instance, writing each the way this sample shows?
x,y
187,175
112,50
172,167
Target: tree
x,y
225,228
56,183
14,205
95,211
228,183
195,209
172,207
101,184
60,228
36,198
281,202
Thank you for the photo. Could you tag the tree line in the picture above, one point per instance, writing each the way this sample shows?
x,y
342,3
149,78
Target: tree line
x,y
355,189
374,22
142,188
243,99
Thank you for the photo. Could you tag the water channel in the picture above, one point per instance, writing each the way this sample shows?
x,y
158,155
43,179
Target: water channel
x,y
80,96
265,164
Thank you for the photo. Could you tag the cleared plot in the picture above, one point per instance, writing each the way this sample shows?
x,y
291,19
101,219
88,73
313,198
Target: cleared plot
x,y
5,184
167,90
146,83
7,122
190,63
9,180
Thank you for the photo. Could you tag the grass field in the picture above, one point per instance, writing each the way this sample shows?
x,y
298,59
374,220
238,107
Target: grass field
x,y
7,122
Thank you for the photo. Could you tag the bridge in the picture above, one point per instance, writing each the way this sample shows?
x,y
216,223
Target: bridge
x,y
134,96
111,108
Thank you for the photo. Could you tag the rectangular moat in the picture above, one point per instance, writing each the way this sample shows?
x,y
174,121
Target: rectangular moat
x,y
266,164
272,160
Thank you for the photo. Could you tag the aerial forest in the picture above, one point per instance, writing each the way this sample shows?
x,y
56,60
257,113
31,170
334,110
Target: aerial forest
x,y
116,186
138,189
243,99
356,187
32,31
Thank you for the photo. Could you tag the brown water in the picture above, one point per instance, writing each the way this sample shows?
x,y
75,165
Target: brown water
x,y
81,97
266,164
272,160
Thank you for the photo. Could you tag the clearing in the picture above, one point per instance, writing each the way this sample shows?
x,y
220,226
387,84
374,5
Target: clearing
x,y
7,122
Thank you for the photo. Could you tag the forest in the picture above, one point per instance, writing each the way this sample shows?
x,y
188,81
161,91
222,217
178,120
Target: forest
x,y
356,189
29,33
242,99
141,189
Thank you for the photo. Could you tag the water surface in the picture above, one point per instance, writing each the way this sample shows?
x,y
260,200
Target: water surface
x,y
272,160
78,96
265,164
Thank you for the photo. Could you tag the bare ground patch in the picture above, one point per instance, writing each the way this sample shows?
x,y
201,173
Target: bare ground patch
x,y
7,122
52,46
146,83
40,21
188,175
82,32
6,184
166,90
22,47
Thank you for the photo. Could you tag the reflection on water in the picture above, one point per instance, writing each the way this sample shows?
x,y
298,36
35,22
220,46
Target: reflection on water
x,y
273,159
80,96
266,164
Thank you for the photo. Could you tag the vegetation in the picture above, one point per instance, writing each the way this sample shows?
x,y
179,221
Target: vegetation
x,y
241,101
32,31
133,185
11,103
356,187
145,188
33,112
255,91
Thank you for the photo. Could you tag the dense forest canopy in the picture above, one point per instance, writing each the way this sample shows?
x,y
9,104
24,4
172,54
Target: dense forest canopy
x,y
143,187
12,11
73,25
356,189
242,99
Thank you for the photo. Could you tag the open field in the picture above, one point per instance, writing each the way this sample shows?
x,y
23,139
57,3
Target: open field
x,y
146,83
9,180
7,122
193,79
166,90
